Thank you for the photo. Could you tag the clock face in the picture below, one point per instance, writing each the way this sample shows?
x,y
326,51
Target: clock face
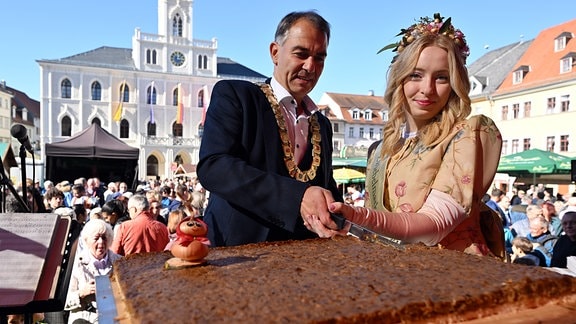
x,y
177,58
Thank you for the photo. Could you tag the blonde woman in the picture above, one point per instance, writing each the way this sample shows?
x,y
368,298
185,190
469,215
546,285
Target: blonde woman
x,y
425,180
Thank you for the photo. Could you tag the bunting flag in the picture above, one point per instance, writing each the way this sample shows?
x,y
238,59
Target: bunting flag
x,y
120,109
152,99
180,109
205,103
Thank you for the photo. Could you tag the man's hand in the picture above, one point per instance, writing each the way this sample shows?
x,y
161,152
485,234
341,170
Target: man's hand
x,y
314,211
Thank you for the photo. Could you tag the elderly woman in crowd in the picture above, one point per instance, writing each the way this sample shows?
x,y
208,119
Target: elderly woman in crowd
x,y
94,260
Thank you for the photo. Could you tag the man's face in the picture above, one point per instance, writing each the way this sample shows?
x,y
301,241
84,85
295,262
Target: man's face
x,y
299,61
569,225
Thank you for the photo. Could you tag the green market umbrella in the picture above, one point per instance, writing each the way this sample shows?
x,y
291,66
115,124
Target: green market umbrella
x,y
346,175
535,161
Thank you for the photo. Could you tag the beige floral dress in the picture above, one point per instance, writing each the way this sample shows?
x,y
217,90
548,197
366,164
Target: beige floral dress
x,y
462,166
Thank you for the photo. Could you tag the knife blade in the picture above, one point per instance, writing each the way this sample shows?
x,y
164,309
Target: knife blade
x,y
365,234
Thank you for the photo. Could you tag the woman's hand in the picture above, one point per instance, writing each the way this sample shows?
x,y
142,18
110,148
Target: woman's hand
x,y
88,289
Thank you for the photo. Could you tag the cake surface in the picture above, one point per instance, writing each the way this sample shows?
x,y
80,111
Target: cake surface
x,y
340,280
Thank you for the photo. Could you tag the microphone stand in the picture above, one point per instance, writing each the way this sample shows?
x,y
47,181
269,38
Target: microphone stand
x,y
23,167
5,181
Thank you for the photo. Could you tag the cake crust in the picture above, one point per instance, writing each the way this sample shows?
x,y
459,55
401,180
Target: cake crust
x,y
340,280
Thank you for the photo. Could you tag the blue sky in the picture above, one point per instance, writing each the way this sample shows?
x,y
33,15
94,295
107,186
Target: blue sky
x,y
59,28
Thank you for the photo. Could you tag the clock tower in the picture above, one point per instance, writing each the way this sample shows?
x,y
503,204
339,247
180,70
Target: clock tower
x,y
173,49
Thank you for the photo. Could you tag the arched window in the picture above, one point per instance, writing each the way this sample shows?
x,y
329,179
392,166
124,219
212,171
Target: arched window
x,y
177,25
200,130
66,89
66,125
152,166
202,62
175,97
178,159
148,56
125,96
96,90
177,129
154,56
151,129
201,99
151,95
124,128
97,121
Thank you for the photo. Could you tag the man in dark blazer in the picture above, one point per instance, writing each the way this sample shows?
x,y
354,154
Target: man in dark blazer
x,y
265,155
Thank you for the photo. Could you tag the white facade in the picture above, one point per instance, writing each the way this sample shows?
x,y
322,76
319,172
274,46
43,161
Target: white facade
x,y
89,87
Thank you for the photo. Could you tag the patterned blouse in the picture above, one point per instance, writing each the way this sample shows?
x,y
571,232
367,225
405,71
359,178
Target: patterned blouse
x,y
463,166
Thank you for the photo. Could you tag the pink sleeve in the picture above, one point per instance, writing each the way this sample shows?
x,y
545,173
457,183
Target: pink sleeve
x,y
439,215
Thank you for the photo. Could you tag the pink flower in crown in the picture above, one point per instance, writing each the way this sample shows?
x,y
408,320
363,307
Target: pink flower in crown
x,y
406,207
466,179
400,190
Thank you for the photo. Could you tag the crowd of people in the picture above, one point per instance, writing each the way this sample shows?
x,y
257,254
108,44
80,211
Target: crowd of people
x,y
539,228
109,222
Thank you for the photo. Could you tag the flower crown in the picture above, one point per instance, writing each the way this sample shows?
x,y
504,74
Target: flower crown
x,y
429,26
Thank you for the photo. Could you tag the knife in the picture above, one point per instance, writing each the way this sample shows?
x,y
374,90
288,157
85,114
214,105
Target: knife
x,y
365,234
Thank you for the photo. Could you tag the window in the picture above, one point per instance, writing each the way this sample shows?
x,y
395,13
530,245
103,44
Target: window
x,y
565,103
175,97
517,77
514,146
385,116
124,128
152,166
66,89
561,40
361,133
202,62
515,111
200,130
151,95
371,133
151,56
177,129
336,127
125,96
551,105
66,126
368,114
97,121
351,132
504,112
336,146
566,65
527,144
355,114
177,25
520,73
504,147
527,108
550,141
151,129
201,98
96,91
564,143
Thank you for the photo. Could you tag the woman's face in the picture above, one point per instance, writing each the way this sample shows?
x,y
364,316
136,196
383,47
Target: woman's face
x,y
110,218
427,89
98,245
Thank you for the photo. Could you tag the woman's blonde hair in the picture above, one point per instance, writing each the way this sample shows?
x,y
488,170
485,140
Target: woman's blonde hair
x,y
457,108
174,218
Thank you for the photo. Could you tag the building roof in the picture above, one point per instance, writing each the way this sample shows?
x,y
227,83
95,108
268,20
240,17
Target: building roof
x,y
121,59
344,103
493,67
542,61
21,100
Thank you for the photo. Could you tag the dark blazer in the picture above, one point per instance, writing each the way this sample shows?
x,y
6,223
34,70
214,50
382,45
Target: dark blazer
x,y
252,197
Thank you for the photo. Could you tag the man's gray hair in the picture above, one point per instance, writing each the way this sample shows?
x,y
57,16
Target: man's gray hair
x,y
139,202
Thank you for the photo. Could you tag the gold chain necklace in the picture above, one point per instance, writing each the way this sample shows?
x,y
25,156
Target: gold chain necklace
x,y
291,165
